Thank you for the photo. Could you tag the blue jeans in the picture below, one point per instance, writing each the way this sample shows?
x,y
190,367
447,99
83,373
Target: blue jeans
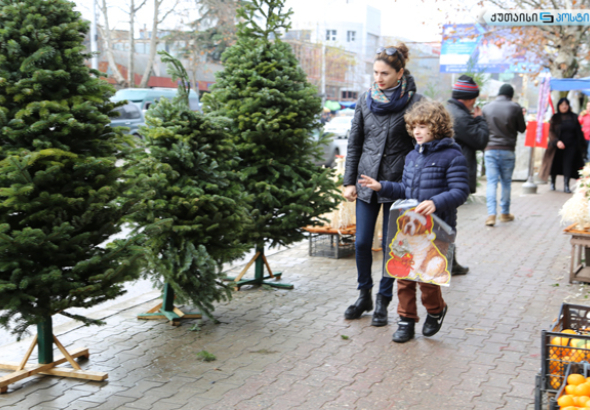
x,y
366,217
499,167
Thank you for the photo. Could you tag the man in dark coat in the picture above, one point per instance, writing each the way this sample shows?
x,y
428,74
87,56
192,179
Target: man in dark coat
x,y
471,133
471,130
505,120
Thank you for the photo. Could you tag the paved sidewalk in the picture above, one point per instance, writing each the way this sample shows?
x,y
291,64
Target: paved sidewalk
x,y
283,349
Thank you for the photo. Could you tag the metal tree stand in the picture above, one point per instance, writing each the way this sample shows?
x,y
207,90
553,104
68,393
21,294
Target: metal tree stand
x,y
259,278
166,309
44,341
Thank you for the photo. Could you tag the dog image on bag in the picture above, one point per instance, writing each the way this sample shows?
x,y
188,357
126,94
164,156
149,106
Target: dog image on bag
x,y
427,261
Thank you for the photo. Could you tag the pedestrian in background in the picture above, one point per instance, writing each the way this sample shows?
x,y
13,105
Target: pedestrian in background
x,y
471,133
435,174
584,119
566,146
505,120
377,146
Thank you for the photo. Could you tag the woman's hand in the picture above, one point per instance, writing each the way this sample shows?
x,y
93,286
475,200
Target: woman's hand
x,y
350,193
426,208
370,183
560,145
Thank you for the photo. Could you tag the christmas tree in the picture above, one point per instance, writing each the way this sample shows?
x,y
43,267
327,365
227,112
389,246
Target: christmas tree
x,y
273,110
196,210
60,189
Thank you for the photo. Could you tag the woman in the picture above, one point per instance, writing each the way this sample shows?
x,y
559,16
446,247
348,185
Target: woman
x,y
377,146
566,146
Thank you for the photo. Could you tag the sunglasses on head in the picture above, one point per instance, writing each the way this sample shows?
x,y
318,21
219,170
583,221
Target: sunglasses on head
x,y
389,50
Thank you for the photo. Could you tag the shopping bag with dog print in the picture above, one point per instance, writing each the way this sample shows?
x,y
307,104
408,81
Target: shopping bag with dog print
x,y
420,247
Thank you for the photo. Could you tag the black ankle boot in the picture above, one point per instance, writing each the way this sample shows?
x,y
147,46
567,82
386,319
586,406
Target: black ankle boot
x,y
458,269
380,313
405,330
433,323
566,184
363,304
552,186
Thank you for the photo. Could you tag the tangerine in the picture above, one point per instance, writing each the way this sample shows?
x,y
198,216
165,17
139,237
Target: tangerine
x,y
569,389
575,379
582,400
582,390
565,401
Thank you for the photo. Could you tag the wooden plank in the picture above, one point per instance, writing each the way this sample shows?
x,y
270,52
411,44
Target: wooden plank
x,y
62,372
155,309
267,266
349,230
66,354
28,371
573,231
28,354
243,272
80,352
77,374
151,316
192,316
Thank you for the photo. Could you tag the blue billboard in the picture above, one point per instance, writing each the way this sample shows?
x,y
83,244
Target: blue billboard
x,y
473,47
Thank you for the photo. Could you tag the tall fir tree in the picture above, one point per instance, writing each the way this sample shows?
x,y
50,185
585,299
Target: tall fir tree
x,y
273,109
196,209
60,188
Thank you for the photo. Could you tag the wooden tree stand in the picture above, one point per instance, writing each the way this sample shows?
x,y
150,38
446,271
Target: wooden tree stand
x,y
166,309
259,278
44,341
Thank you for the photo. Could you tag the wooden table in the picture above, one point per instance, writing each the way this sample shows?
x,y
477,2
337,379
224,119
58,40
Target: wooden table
x,y
579,267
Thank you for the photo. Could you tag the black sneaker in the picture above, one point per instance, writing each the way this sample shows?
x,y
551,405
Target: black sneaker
x,y
433,323
405,330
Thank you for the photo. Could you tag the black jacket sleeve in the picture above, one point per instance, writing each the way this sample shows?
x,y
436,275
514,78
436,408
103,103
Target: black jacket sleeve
x,y
356,139
472,132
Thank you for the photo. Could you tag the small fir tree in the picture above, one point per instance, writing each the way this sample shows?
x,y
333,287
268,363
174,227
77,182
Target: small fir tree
x,y
197,202
60,188
273,110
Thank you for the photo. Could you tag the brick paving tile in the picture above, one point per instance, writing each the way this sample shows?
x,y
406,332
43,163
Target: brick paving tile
x,y
282,349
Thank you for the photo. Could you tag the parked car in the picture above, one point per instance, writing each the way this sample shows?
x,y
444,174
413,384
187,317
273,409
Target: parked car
x,y
129,116
339,126
144,97
331,149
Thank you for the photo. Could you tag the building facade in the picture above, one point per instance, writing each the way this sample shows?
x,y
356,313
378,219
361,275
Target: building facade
x,y
349,32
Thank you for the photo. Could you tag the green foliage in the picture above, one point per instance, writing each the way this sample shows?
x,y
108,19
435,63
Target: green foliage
x,y
205,356
273,110
60,189
195,206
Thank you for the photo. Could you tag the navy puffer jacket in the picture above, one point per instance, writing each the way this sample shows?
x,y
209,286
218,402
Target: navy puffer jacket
x,y
437,171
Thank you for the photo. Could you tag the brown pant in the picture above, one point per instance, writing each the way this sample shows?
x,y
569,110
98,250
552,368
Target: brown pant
x,y
431,298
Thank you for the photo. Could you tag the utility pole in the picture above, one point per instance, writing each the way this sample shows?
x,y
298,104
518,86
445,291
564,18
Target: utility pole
x,y
94,38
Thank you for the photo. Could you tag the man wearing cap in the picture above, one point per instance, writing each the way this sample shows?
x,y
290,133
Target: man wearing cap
x,y
471,132
505,120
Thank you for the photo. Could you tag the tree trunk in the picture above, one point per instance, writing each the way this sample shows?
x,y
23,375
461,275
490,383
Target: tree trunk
x,y
106,35
153,44
131,64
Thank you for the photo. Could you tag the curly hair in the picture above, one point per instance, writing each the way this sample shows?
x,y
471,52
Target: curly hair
x,y
434,115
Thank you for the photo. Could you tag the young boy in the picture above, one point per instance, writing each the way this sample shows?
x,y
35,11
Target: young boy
x,y
435,174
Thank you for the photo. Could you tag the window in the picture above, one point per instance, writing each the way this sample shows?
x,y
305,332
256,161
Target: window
x,y
132,111
349,95
350,36
331,35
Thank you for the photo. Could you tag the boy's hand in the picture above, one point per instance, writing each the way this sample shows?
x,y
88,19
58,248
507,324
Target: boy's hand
x,y
350,193
370,182
426,208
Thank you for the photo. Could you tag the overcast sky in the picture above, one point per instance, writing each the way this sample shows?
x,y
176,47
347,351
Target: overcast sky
x,y
416,20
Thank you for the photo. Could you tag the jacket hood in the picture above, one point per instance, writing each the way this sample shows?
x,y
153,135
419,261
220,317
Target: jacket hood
x,y
437,145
